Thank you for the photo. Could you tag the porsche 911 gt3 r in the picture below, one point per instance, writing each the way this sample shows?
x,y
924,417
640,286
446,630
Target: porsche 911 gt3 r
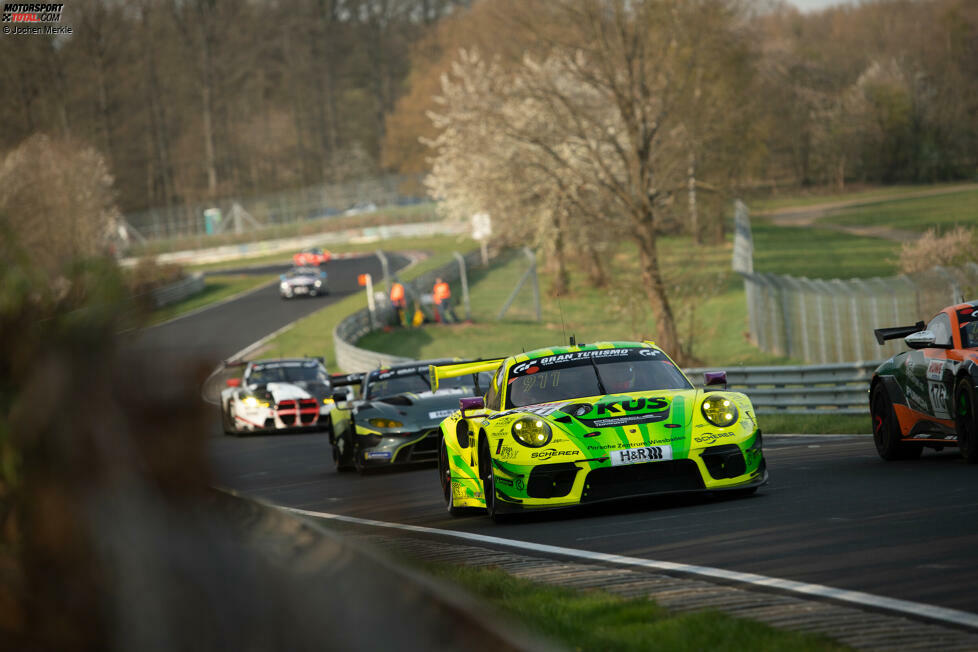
x,y
280,394
582,424
394,418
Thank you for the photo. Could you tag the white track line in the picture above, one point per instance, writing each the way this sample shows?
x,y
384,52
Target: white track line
x,y
859,598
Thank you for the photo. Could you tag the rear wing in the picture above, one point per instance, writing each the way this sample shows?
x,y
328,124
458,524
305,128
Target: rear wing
x,y
884,334
455,369
340,380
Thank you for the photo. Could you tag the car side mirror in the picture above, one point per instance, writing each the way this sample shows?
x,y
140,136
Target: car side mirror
x,y
341,397
473,404
920,339
233,382
711,378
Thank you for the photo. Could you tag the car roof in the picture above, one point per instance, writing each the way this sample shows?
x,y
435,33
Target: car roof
x,y
274,362
560,350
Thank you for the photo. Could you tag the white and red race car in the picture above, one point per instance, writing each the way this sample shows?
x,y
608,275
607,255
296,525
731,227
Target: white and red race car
x,y
278,394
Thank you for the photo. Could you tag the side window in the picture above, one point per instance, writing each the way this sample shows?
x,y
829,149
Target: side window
x,y
969,335
940,326
495,389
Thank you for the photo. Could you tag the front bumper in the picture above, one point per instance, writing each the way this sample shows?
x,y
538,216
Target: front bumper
x,y
292,414
420,447
619,483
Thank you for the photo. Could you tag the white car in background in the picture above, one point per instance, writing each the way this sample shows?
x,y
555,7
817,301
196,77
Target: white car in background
x,y
302,282
278,394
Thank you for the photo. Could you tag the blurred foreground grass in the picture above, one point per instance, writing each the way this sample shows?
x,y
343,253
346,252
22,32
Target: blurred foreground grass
x,y
596,620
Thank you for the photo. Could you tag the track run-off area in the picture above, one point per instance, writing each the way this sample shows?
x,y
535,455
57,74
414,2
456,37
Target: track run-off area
x,y
833,515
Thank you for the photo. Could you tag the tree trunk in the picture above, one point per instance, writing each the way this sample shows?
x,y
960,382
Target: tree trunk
x,y
561,280
694,216
596,273
206,100
655,289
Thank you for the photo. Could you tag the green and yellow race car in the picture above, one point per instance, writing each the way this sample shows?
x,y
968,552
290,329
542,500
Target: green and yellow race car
x,y
581,424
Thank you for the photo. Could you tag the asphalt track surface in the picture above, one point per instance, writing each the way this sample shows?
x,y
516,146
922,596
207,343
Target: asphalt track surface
x,y
833,514
219,332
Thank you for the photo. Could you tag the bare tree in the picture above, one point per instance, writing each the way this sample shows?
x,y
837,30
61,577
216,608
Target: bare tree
x,y
597,123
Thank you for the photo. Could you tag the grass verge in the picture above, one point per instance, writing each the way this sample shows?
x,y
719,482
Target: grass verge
x,y
596,620
821,253
216,288
942,212
822,424
821,196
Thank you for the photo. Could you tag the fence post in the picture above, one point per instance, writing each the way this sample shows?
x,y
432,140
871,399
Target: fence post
x,y
385,268
465,284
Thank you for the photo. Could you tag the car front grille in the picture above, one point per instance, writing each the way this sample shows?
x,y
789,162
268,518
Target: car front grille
x,y
641,479
303,412
425,450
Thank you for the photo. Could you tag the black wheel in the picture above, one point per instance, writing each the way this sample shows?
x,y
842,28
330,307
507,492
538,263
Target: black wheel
x,y
343,461
966,420
445,477
886,429
488,481
226,421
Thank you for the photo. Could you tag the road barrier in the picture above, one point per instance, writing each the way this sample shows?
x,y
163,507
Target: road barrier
x,y
351,358
801,390
178,291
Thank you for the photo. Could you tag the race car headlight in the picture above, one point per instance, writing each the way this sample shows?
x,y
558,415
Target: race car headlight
x,y
283,286
328,401
318,283
532,431
384,423
719,411
251,402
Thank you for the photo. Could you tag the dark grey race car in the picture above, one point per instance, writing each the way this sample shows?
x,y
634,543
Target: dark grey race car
x,y
394,416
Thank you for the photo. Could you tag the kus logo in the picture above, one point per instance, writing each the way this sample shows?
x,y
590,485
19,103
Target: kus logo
x,y
635,405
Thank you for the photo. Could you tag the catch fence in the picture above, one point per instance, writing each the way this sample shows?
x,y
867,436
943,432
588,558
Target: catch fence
x,y
238,214
827,321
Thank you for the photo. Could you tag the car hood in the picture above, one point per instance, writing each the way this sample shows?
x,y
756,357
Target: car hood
x,y
301,280
424,410
617,420
293,391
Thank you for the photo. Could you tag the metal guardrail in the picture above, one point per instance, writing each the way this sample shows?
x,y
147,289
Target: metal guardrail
x,y
178,291
351,358
801,390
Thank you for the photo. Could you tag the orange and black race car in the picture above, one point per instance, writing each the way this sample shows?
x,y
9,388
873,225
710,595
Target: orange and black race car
x,y
311,257
928,396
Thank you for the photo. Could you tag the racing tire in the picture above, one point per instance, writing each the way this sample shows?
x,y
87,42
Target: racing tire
x,y
886,429
226,421
342,461
966,420
445,477
488,481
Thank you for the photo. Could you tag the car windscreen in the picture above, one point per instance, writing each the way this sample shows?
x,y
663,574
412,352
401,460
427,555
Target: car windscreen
x,y
287,373
302,271
591,373
415,380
